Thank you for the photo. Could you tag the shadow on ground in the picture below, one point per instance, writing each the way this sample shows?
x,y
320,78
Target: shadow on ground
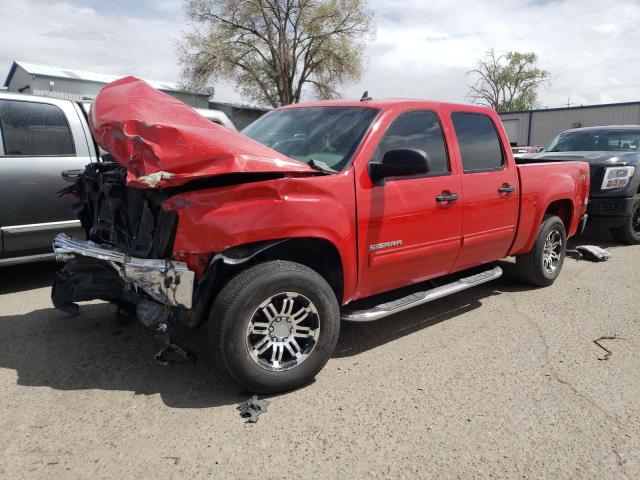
x,y
593,236
26,277
101,350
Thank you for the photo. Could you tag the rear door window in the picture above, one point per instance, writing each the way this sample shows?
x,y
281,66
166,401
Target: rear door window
x,y
34,129
478,141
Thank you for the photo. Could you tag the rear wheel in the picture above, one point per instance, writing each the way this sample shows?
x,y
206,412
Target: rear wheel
x,y
542,265
629,232
274,326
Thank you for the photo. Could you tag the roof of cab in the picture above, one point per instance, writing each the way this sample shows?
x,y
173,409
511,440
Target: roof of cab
x,y
385,103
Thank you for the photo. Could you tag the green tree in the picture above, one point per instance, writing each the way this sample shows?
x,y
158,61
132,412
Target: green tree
x,y
275,49
507,82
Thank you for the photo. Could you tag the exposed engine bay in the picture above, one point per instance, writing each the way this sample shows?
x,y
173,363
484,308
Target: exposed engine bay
x,y
129,219
127,230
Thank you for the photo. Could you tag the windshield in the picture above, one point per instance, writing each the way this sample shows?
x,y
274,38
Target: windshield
x,y
325,134
596,140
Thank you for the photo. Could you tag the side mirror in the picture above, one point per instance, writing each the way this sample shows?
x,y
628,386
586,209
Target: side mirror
x,y
403,162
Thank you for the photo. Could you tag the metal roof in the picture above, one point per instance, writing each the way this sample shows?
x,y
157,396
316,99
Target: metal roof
x,y
84,75
580,107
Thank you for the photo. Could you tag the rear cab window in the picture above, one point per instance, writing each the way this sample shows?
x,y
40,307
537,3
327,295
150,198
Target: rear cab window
x,y
421,130
479,143
34,129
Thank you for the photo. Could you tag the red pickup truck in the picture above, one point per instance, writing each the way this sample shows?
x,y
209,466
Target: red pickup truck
x,y
275,235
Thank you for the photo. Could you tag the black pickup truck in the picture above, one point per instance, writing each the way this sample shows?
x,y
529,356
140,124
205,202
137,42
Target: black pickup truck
x,y
613,153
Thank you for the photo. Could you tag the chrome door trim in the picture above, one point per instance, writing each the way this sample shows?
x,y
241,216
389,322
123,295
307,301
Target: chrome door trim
x,y
40,227
6,262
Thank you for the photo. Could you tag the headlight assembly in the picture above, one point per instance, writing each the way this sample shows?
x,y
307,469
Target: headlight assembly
x,y
617,177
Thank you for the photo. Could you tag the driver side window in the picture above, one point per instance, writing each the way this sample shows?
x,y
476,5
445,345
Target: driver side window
x,y
421,130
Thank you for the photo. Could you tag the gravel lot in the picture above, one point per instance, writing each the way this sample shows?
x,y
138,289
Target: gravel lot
x,y
502,381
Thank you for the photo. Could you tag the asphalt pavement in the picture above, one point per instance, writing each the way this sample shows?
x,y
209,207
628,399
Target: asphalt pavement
x,y
501,381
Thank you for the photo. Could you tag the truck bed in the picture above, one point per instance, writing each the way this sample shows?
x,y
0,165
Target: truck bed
x,y
544,184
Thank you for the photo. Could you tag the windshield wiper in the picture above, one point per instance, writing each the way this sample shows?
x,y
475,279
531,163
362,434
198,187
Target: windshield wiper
x,y
321,167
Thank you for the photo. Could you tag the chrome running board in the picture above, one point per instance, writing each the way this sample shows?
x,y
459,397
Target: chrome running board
x,y
418,298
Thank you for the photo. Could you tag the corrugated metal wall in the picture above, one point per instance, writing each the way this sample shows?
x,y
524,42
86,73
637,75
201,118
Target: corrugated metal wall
x,y
19,81
71,89
546,124
517,133
65,88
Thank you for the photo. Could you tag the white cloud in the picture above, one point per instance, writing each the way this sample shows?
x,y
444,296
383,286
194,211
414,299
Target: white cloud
x,y
422,50
606,28
409,59
78,36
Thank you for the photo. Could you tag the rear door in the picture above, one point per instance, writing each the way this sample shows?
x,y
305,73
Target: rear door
x,y
405,234
490,193
40,140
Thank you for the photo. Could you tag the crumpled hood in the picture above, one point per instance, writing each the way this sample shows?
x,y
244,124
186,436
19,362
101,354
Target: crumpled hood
x,y
162,142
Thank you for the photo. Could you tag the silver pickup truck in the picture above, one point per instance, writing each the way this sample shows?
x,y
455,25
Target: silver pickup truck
x,y
39,138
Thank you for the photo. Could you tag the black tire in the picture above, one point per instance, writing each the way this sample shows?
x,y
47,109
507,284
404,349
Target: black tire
x,y
236,306
530,266
629,232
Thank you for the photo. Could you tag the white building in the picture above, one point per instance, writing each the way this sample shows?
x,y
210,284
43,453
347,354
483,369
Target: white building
x,y
79,85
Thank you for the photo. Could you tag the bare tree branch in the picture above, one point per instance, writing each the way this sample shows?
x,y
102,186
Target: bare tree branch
x,y
507,82
274,49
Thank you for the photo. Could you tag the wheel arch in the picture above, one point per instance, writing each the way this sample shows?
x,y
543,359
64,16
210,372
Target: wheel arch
x,y
562,208
318,254
533,217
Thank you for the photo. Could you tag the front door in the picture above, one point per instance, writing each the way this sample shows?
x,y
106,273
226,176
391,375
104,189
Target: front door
x,y
407,230
37,146
490,191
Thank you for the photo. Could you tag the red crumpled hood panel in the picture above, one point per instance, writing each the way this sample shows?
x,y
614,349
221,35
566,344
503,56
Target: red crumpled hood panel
x,y
163,142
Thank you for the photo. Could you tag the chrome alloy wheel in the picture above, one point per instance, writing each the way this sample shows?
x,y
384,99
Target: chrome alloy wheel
x,y
283,331
552,251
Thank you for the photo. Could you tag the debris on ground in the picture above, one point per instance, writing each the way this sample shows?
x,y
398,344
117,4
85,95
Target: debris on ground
x,y
576,255
593,253
609,352
252,408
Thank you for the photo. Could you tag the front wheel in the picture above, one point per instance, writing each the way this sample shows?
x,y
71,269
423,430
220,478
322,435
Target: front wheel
x,y
629,232
274,326
541,266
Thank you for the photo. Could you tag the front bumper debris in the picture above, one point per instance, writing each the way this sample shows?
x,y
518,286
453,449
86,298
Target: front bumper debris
x,y
583,223
166,281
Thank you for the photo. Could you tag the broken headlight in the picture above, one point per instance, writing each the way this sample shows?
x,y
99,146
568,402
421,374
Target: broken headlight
x,y
617,177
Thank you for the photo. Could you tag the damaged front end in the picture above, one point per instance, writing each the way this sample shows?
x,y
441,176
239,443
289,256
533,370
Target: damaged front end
x,y
159,148
165,281
126,257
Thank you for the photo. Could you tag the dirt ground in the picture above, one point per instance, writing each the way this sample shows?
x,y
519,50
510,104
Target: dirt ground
x,y
502,381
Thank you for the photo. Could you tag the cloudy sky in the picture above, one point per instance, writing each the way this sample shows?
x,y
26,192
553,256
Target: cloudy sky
x,y
423,48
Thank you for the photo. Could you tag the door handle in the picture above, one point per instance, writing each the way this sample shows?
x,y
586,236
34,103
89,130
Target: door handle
x,y
507,188
447,197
